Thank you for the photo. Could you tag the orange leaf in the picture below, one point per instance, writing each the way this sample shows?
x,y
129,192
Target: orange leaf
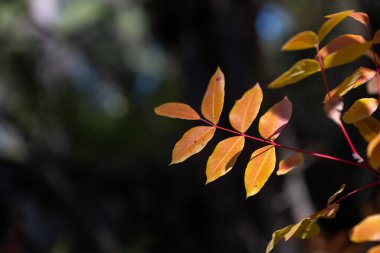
x,y
259,169
362,108
224,157
245,109
300,41
360,17
289,163
374,249
373,152
334,20
212,103
339,43
177,110
297,72
275,119
368,128
333,109
368,230
376,37
192,142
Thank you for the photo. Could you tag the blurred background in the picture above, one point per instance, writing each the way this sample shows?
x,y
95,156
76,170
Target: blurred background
x,y
84,160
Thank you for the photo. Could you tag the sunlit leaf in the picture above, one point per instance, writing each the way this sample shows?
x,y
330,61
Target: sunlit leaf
x,y
245,109
339,43
333,20
368,230
373,151
346,55
327,213
359,77
297,72
300,41
212,103
376,37
360,17
362,108
192,142
333,197
306,228
289,163
368,128
224,157
374,249
276,237
333,109
275,119
259,169
177,110
372,87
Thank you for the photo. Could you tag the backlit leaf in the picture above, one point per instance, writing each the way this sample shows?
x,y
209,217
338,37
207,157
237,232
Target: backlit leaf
x,y
297,72
368,128
376,37
374,249
328,213
300,41
276,237
368,230
306,228
333,197
346,55
259,169
212,103
177,110
245,109
339,43
224,157
333,20
275,119
192,142
373,152
362,108
333,109
289,163
360,17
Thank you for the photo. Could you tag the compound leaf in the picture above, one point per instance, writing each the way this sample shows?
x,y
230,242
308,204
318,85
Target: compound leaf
x,y
300,41
245,109
224,157
289,163
368,230
275,119
368,128
373,151
259,169
297,72
362,108
333,20
177,110
213,99
192,142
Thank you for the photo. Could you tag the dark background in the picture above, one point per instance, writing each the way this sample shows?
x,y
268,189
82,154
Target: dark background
x,y
84,160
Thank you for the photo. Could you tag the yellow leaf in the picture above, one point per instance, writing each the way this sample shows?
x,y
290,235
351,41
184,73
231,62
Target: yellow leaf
x,y
289,163
297,72
276,237
368,128
212,103
362,108
333,197
245,109
259,169
346,55
333,20
373,152
374,249
339,43
328,213
300,41
275,119
192,142
360,17
177,110
306,228
368,230
376,37
224,157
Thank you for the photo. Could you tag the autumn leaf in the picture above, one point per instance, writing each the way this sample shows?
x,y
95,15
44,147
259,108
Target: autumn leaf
x,y
289,163
275,119
373,151
339,43
376,37
360,17
328,212
245,109
192,142
333,20
362,108
306,228
333,197
259,169
300,41
372,87
224,157
177,110
276,237
297,72
368,230
374,249
333,109
368,128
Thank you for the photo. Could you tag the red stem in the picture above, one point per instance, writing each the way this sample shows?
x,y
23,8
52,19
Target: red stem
x,y
360,165
357,191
